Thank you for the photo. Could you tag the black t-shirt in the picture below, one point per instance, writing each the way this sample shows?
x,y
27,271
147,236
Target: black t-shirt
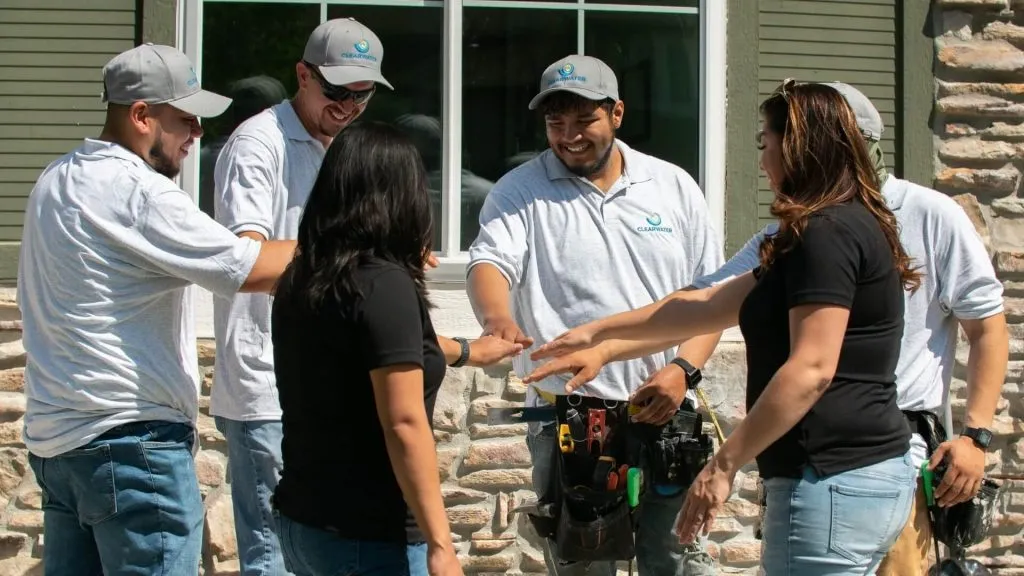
x,y
842,259
337,475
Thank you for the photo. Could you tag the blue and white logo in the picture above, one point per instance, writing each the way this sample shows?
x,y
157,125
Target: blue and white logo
x,y
567,70
654,225
362,46
192,79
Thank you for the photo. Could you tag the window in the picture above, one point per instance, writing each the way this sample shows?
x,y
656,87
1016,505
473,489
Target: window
x,y
464,71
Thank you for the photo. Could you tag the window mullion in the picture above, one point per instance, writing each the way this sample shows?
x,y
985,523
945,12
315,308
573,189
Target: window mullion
x,y
451,114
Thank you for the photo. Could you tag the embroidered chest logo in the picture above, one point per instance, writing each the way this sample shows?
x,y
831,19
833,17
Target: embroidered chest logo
x,y
654,225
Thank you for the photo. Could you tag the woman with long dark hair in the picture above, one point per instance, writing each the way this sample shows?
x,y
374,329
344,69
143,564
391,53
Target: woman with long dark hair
x,y
358,368
822,318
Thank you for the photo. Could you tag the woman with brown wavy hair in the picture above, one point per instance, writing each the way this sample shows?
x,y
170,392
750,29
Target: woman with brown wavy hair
x,y
822,317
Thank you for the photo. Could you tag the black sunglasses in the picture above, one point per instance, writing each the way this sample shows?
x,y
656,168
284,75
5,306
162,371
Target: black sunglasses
x,y
340,93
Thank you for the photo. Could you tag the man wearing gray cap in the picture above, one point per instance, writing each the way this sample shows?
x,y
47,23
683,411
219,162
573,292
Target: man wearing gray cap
x,y
588,228
110,247
959,289
264,173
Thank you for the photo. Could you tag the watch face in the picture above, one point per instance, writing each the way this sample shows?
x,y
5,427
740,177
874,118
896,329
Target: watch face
x,y
985,437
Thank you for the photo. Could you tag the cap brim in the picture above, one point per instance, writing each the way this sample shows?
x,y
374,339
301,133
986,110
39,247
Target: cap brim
x,y
203,104
588,94
342,75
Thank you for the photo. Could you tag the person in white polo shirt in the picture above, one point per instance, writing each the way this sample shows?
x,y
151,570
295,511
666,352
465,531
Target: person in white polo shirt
x,y
110,248
264,173
959,289
588,228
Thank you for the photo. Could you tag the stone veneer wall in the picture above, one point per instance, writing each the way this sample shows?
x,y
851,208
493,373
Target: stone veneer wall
x,y
979,125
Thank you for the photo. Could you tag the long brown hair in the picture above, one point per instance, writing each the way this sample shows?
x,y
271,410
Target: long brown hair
x,y
825,162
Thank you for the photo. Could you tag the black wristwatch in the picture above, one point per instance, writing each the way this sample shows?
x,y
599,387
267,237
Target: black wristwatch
x,y
982,436
693,375
463,354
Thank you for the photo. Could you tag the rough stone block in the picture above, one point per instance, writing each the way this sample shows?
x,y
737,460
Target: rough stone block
x,y
31,498
495,480
999,30
445,458
990,4
740,508
210,467
12,380
993,181
219,531
453,496
982,56
482,431
28,521
975,105
515,389
10,433
974,149
1009,261
450,406
469,518
503,454
21,566
494,563
12,406
1009,207
13,467
13,544
741,552
486,385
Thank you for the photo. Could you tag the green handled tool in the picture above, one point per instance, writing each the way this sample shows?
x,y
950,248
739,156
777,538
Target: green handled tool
x,y
633,479
928,477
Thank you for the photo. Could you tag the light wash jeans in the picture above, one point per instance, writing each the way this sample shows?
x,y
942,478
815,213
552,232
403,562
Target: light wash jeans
x,y
310,551
254,462
126,503
658,551
840,525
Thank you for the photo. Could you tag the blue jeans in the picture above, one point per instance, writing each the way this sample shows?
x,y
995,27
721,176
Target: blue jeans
x,y
126,503
840,525
310,551
658,551
254,461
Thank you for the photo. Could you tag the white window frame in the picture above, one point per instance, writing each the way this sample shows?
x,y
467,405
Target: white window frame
x,y
452,269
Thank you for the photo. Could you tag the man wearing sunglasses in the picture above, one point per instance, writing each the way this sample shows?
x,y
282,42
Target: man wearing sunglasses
x,y
263,176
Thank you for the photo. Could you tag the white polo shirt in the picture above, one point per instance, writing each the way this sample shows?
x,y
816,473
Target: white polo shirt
x,y
572,254
958,283
108,249
263,177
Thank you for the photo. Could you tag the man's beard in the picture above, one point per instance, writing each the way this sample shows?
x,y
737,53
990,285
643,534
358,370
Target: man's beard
x,y
589,170
161,162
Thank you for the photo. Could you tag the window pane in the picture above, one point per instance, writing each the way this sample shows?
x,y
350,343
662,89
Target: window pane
x,y
504,52
250,61
413,48
656,58
684,3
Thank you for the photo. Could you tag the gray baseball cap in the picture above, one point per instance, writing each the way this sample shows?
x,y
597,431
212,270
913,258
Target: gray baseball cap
x,y
158,74
345,51
868,119
583,75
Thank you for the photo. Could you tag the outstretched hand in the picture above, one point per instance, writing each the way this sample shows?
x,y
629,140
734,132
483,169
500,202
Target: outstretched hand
x,y
567,342
583,365
488,350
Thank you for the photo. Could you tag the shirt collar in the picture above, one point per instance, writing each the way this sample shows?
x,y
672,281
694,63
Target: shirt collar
x,y
290,123
634,166
97,147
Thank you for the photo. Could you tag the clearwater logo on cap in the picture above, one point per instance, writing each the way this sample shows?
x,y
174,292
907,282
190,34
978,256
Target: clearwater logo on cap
x,y
345,52
158,74
585,76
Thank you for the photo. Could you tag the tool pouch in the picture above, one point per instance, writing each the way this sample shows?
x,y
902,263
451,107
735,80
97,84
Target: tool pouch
x,y
965,524
587,519
595,526
679,452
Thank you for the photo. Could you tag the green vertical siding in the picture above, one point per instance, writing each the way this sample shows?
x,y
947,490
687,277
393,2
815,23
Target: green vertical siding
x,y
51,53
853,41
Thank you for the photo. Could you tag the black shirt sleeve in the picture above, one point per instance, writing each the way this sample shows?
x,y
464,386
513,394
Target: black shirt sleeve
x,y
390,322
824,266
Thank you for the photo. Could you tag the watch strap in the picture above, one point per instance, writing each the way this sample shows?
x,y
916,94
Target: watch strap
x,y
463,354
693,375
